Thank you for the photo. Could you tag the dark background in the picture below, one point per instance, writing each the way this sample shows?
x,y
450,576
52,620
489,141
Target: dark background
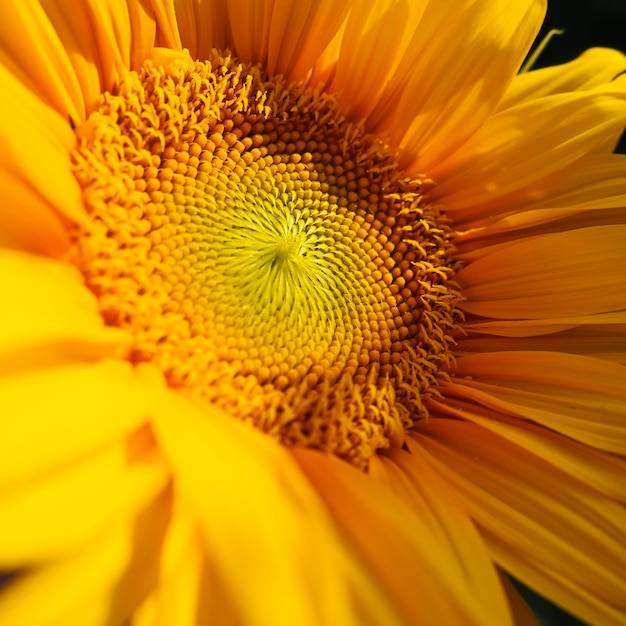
x,y
587,24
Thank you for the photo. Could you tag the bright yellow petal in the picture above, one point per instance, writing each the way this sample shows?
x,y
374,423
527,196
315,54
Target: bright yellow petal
x,y
532,328
578,396
70,57
189,591
52,416
47,317
286,37
50,515
465,56
599,471
523,145
595,182
364,74
591,69
573,273
522,614
403,552
553,533
81,37
449,527
100,585
257,515
165,12
36,135
22,207
33,50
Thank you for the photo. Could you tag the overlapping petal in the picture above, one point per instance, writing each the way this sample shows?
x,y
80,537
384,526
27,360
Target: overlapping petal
x,y
523,503
578,396
540,277
390,538
38,189
592,68
286,38
69,58
47,317
445,517
100,584
453,89
38,517
52,416
516,149
256,515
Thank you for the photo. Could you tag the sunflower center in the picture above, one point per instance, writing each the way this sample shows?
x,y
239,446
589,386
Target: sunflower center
x,y
265,253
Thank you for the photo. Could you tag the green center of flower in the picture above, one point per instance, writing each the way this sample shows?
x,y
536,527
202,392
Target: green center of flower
x,y
265,253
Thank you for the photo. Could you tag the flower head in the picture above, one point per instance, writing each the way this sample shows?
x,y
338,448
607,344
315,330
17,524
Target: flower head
x,y
314,315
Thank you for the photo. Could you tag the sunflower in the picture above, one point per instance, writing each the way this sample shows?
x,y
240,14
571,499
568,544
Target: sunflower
x,y
313,312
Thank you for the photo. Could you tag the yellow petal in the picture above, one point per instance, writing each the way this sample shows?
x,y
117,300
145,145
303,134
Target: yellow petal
x,y
449,527
594,182
125,35
78,31
33,50
36,135
574,273
601,341
592,68
466,54
285,36
47,317
22,207
526,143
50,515
599,471
99,585
578,396
364,74
401,550
531,328
143,33
52,416
165,12
70,57
189,591
551,531
257,515
522,614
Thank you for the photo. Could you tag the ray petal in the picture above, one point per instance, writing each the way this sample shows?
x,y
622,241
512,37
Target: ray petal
x,y
70,57
593,183
52,416
268,518
524,506
48,317
401,549
602,341
99,585
591,69
541,277
527,143
285,36
36,54
578,396
436,505
362,75
36,134
53,514
468,54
